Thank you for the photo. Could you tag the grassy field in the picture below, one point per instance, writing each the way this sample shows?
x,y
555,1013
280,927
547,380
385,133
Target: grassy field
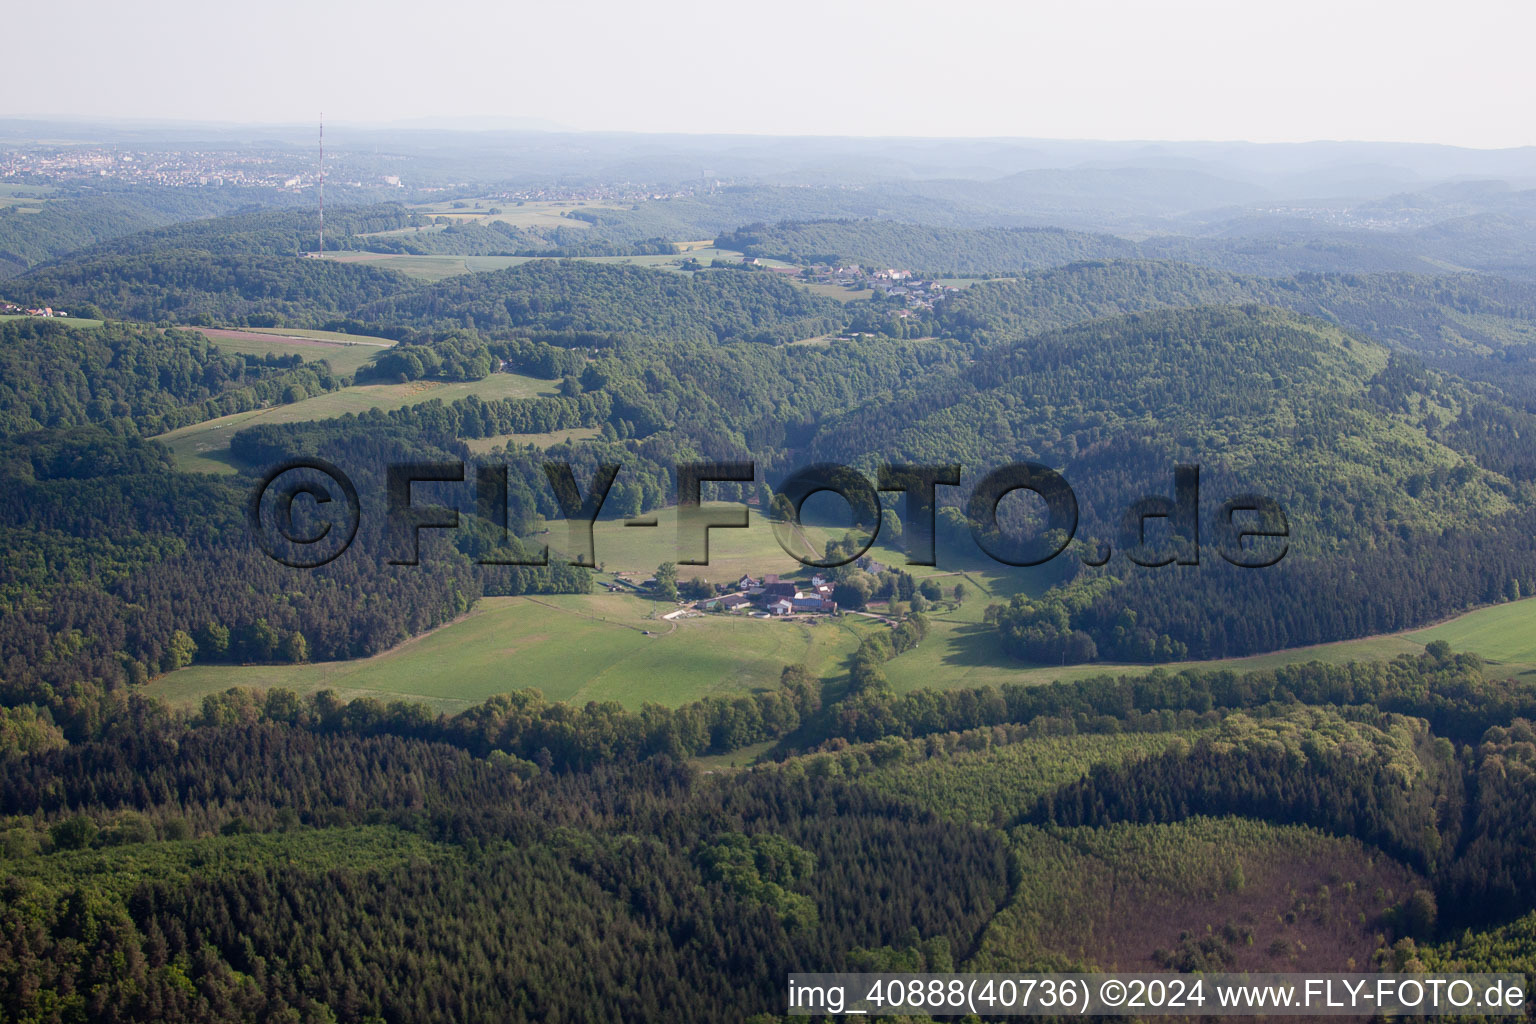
x,y
438,267
346,353
754,550
572,647
529,214
1504,634
25,198
962,652
426,268
835,291
337,336
594,647
481,445
67,321
204,447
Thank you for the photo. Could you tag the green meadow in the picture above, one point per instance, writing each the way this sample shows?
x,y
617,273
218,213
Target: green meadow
x,y
204,447
433,268
67,321
426,268
346,353
595,647
835,291
732,551
586,647
576,648
1504,634
482,445
25,198
316,335
966,653
527,214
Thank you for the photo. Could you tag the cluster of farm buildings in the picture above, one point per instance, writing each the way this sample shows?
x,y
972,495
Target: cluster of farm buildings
x,y
772,596
11,309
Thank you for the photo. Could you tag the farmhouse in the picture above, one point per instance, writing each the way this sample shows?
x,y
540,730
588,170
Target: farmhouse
x,y
774,591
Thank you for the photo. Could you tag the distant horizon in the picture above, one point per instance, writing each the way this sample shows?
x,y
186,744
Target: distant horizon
x,y
467,123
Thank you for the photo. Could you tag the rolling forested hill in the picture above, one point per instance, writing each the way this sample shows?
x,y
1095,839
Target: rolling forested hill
x,y
190,287
68,223
1281,402
54,377
586,299
1431,315
1489,242
944,251
1370,436
282,232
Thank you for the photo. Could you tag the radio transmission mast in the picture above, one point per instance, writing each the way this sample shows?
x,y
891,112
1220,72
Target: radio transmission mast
x,y
321,250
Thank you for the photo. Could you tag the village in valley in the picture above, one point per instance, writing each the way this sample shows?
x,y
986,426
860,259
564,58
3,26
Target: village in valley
x,y
915,292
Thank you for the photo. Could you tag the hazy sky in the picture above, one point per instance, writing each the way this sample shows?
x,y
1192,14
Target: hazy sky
x,y
1282,70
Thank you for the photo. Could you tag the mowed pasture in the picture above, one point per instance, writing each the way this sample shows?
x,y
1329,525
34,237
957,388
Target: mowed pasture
x,y
67,321
341,337
834,291
424,268
25,198
755,549
575,648
594,647
1504,634
963,652
204,447
524,214
433,268
346,353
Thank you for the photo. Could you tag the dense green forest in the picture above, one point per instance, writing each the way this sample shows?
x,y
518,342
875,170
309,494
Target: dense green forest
x,y
54,377
162,866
